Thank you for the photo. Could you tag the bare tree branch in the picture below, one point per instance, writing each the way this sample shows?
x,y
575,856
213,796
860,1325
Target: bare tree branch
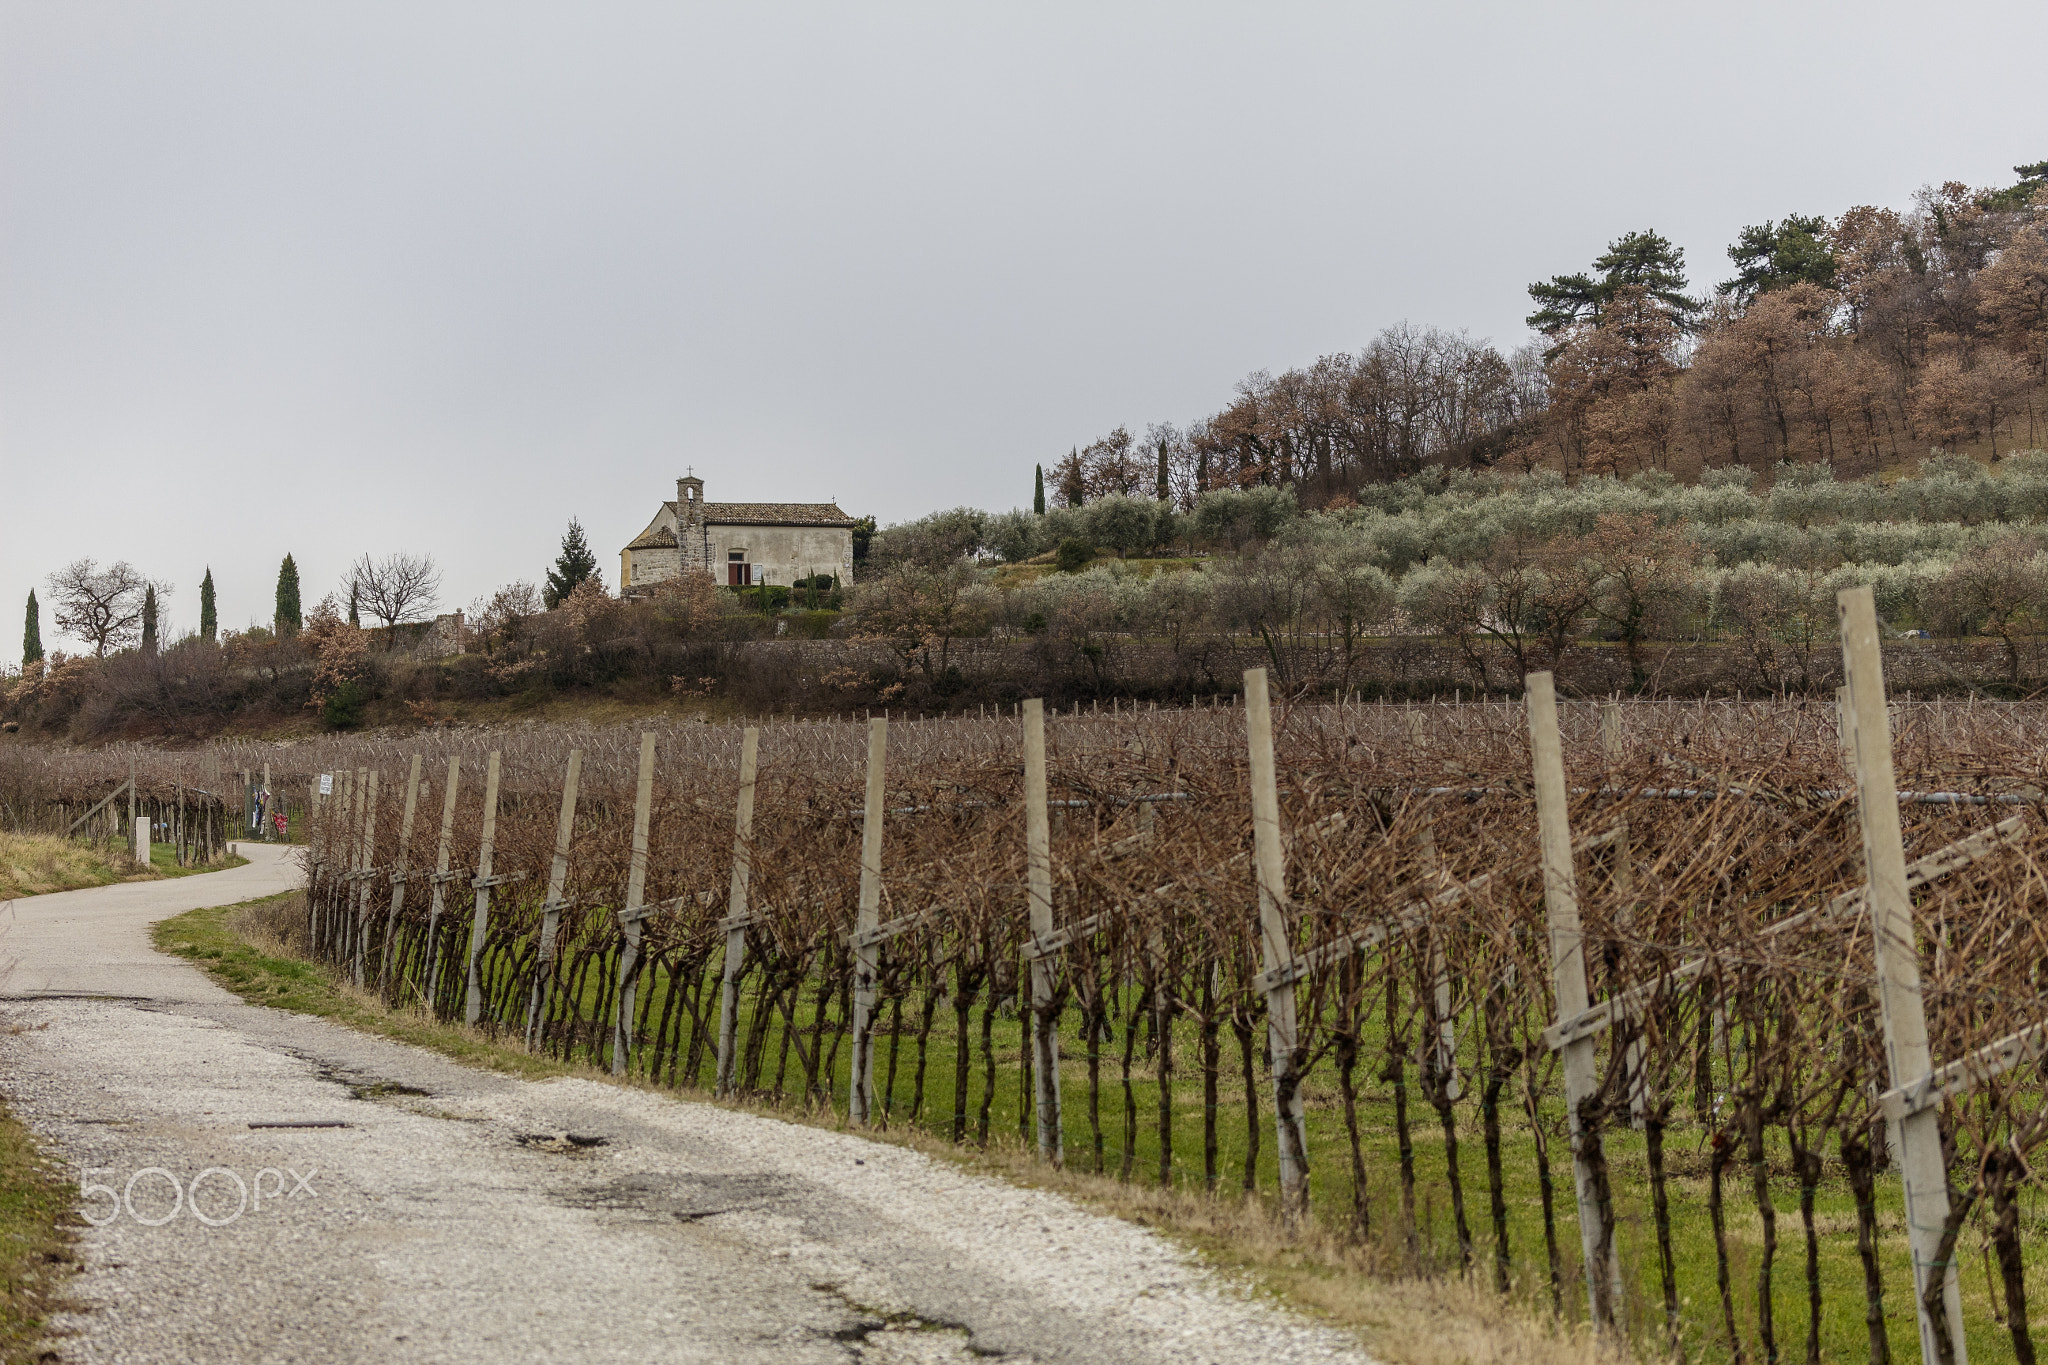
x,y
103,607
397,588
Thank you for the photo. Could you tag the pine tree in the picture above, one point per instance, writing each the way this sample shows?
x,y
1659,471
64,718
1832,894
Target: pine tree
x,y
1646,260
572,566
1161,494
1038,490
287,619
32,633
207,620
149,619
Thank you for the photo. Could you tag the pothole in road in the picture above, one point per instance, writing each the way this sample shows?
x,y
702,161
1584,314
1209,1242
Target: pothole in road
x,y
364,1087
567,1144
879,1337
684,1199
382,1090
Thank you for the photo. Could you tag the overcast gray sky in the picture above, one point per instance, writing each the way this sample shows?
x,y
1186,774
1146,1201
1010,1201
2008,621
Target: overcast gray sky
x,y
436,276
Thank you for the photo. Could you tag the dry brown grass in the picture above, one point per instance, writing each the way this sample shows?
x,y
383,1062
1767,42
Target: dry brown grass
x,y
33,864
1403,1318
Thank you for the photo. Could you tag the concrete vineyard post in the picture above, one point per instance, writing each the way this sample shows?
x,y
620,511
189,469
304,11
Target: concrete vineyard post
x,y
316,857
480,916
442,852
359,861
636,908
867,955
1436,879
736,912
1625,884
139,853
399,871
551,909
265,805
344,861
1568,976
1845,735
1045,1038
1897,951
363,886
1277,948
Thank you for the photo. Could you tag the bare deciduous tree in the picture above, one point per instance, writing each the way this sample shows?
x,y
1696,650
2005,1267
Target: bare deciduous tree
x,y
103,607
398,588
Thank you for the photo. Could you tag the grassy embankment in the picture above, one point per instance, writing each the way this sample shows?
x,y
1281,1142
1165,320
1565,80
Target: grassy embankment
x,y
37,1203
1364,1282
1351,1283
35,864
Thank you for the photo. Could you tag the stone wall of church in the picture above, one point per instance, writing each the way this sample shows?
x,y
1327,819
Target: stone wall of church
x,y
652,566
783,554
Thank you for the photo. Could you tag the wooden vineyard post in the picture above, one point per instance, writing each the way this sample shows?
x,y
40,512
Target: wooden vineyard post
x,y
867,955
1277,949
1568,976
368,870
442,852
480,916
551,908
636,907
399,872
737,912
1898,968
1045,1037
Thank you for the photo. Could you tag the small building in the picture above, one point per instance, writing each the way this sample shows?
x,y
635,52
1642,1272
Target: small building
x,y
738,543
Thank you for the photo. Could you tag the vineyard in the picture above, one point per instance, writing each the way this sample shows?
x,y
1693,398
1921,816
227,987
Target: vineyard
x,y
1638,1010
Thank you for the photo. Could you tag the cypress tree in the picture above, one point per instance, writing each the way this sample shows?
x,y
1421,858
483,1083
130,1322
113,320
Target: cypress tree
x,y
1161,494
1038,490
355,615
149,619
574,565
32,633
287,618
207,620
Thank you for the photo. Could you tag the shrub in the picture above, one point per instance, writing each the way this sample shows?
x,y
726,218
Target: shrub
x,y
811,625
767,597
343,708
1231,516
1125,524
1073,555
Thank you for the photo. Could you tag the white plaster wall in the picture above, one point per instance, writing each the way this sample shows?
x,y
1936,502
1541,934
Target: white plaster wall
x,y
786,553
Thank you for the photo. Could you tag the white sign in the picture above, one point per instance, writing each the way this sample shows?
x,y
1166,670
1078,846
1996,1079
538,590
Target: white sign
x,y
327,784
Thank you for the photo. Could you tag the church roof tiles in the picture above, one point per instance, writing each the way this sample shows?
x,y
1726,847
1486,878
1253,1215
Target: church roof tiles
x,y
771,514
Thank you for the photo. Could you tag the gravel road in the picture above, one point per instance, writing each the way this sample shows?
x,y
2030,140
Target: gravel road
x,y
462,1216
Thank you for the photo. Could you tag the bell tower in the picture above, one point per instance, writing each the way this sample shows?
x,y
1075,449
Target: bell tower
x,y
692,536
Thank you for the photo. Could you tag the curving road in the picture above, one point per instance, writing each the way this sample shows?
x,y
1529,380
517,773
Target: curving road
x,y
466,1217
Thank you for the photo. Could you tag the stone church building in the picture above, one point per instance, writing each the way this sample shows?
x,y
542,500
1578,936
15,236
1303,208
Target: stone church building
x,y
738,543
